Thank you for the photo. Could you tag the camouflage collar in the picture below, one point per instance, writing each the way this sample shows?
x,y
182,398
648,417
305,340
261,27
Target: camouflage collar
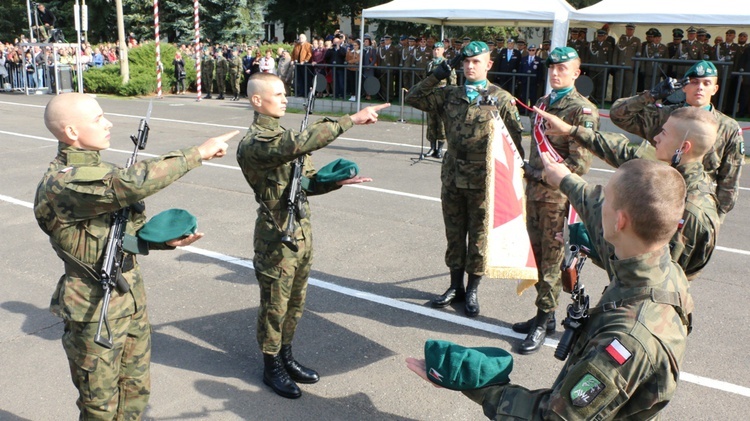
x,y
638,271
267,122
77,157
692,172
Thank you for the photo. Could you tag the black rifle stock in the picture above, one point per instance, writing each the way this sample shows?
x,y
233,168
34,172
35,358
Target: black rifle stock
x,y
295,186
110,275
577,312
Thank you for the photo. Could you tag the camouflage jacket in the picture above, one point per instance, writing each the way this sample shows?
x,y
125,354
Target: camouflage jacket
x,y
576,110
467,128
73,204
641,116
265,156
235,65
693,244
222,66
626,363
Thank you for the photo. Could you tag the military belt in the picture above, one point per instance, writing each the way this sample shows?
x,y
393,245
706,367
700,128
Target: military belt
x,y
471,156
76,271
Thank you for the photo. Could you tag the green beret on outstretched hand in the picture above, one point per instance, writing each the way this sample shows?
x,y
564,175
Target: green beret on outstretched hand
x,y
459,368
337,170
702,68
168,225
561,55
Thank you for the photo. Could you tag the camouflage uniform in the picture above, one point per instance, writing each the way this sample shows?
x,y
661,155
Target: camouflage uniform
x,y
73,205
265,155
692,244
593,384
207,73
464,169
222,65
235,74
546,207
641,116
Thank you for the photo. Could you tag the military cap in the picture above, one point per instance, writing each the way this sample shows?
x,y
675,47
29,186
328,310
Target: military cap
x,y
412,38
368,36
168,225
456,367
708,36
456,41
520,41
692,30
402,37
702,68
677,33
337,170
700,31
656,33
386,36
601,32
730,31
490,42
500,39
532,46
573,30
630,26
467,39
650,31
743,34
584,30
546,42
475,48
438,45
561,55
511,41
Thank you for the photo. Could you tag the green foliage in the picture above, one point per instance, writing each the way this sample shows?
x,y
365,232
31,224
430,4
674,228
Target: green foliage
x,y
103,80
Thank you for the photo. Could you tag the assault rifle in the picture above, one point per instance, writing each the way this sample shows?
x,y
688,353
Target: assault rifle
x,y
295,198
110,276
571,266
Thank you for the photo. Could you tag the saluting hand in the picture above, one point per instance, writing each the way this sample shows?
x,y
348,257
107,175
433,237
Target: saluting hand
x,y
554,171
216,147
368,115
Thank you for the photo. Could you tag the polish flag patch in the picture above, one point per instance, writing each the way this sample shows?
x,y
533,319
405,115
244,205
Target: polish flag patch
x,y
587,111
434,374
618,352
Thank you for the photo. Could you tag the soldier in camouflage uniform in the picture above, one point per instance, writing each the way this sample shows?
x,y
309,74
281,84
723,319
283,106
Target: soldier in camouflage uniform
x,y
435,126
73,206
642,116
222,66
690,131
235,74
207,72
547,207
265,155
464,170
618,368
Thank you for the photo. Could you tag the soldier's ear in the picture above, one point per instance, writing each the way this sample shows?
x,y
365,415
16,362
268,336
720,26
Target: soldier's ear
x,y
71,132
256,100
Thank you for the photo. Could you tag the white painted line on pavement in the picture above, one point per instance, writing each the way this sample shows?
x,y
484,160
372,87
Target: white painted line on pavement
x,y
424,311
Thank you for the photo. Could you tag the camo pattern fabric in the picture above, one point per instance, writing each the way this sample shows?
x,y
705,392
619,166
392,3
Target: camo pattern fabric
x,y
642,117
265,155
694,243
626,363
468,129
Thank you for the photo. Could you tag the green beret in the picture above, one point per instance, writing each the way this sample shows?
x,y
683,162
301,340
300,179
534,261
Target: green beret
x,y
459,368
702,68
438,45
337,170
579,236
561,55
475,48
168,225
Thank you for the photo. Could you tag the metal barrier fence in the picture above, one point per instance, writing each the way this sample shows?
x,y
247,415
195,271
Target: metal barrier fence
x,y
32,77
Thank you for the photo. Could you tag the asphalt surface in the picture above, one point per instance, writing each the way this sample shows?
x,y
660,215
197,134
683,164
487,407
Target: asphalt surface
x,y
378,261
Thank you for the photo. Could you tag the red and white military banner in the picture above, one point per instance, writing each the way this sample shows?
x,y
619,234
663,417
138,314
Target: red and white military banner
x,y
508,248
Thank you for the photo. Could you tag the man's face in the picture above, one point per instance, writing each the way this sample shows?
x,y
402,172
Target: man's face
x,y
412,43
582,36
423,43
563,75
657,40
387,41
718,40
702,37
649,38
601,38
336,42
742,39
574,36
698,91
668,140
438,51
730,37
676,40
476,67
271,100
91,127
692,36
521,46
629,31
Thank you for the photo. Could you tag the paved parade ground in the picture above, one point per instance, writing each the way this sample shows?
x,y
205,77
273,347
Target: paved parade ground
x,y
378,261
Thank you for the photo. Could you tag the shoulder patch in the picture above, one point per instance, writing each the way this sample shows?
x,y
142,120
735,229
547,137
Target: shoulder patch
x,y
618,352
66,169
588,124
513,101
586,111
742,146
89,173
584,392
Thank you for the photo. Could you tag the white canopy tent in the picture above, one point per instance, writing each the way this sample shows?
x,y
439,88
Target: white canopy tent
x,y
552,13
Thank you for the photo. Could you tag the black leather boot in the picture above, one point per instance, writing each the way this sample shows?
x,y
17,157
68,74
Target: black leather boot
x,y
221,96
525,327
275,375
298,372
208,96
472,301
535,339
456,292
438,150
432,148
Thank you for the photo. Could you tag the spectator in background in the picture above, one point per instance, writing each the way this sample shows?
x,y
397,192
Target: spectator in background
x,y
352,58
255,66
267,63
179,74
98,60
336,56
285,71
319,57
368,59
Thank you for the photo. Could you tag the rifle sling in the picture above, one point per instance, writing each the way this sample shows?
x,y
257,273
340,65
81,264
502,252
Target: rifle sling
x,y
76,268
656,295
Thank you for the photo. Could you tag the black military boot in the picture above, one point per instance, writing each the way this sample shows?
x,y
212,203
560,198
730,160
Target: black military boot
x,y
535,339
221,96
298,372
208,96
456,292
275,375
525,327
432,148
439,150
471,307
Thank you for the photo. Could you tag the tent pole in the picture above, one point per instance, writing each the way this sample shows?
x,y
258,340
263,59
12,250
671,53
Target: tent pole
x,y
361,58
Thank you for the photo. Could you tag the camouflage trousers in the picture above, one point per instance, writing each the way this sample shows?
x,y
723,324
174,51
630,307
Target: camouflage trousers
x,y
435,127
112,383
543,221
221,82
463,214
234,79
207,79
282,276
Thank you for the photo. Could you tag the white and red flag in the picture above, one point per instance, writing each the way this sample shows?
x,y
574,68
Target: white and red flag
x,y
508,252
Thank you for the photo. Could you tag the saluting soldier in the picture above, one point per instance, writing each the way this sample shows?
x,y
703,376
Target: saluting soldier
x,y
627,47
463,174
642,116
435,126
